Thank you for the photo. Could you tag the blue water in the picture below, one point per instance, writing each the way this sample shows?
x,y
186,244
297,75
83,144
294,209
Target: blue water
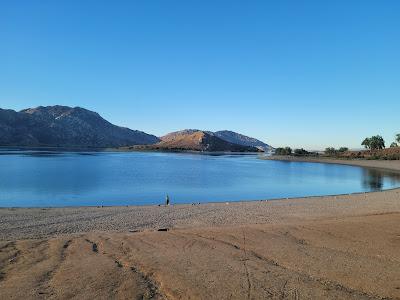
x,y
38,178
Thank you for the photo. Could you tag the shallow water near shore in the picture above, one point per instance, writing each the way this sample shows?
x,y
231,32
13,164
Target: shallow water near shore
x,y
53,178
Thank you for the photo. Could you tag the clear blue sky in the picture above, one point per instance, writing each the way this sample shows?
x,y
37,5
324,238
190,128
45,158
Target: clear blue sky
x,y
301,73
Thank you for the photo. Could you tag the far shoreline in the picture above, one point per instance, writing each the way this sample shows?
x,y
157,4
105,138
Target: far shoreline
x,y
121,150
384,165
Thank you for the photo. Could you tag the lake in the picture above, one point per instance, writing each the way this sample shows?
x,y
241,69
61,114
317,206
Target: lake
x,y
48,178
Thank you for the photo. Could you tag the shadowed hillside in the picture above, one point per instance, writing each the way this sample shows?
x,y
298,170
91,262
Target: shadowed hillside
x,y
62,126
240,139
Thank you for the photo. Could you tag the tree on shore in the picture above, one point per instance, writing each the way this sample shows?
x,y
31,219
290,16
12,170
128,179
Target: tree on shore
x,y
283,151
393,145
366,143
330,151
398,138
301,152
375,142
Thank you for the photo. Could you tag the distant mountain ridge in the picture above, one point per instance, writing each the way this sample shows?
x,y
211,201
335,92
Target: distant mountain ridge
x,y
196,140
68,127
63,126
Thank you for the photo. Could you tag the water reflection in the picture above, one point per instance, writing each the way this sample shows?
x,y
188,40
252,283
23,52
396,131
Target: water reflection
x,y
373,179
48,152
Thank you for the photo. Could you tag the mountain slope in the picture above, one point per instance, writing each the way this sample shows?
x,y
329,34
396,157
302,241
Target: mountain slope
x,y
185,132
240,139
196,140
226,135
65,127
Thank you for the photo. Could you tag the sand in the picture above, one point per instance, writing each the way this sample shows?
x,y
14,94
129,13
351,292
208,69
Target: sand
x,y
332,247
389,165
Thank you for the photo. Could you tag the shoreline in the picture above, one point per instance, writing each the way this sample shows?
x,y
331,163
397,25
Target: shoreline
x,y
122,150
48,222
384,165
227,202
319,247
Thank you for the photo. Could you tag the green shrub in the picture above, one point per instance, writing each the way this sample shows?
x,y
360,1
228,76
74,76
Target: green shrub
x,y
283,151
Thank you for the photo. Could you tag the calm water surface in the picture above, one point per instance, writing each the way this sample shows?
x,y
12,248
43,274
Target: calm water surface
x,y
39,178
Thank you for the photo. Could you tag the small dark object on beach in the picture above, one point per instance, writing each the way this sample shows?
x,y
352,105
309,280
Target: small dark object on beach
x,y
163,229
94,248
167,200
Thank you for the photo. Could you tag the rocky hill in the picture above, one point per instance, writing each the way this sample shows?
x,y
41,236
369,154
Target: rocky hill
x,y
176,134
240,139
196,140
226,135
62,126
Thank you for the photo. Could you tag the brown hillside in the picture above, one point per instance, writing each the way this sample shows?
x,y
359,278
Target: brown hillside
x,y
385,154
196,141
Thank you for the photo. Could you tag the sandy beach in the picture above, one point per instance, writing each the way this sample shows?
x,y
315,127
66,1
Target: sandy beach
x,y
331,247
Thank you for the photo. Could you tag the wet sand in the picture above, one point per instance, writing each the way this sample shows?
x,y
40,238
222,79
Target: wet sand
x,y
333,247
